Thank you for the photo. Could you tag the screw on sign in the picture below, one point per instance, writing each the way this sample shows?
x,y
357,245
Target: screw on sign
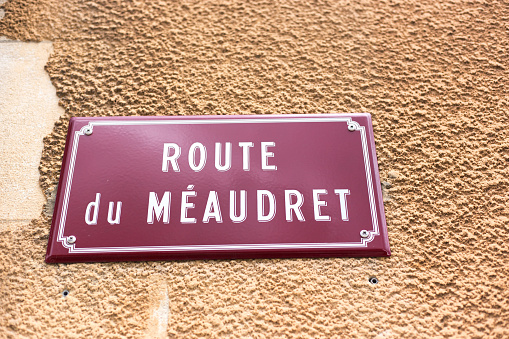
x,y
71,239
137,188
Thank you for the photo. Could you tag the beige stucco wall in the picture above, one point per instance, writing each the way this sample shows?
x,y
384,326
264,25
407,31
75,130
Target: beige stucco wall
x,y
434,76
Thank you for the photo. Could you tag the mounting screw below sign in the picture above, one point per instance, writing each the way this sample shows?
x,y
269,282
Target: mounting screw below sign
x,y
71,239
364,234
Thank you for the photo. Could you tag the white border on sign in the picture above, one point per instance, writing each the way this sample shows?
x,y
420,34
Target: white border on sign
x,y
352,126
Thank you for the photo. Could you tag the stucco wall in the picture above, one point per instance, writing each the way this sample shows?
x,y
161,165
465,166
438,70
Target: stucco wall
x,y
434,76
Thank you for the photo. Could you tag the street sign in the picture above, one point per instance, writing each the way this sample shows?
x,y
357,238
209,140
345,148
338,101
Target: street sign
x,y
218,187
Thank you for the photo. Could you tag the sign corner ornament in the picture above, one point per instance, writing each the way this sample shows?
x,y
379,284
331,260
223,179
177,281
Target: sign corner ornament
x,y
218,187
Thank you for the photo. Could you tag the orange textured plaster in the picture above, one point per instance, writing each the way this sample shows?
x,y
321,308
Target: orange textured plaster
x,y
433,74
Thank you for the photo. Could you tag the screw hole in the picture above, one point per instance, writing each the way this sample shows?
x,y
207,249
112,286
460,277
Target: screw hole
x,y
373,280
65,293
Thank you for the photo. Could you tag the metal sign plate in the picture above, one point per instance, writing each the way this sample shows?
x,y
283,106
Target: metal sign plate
x,y
163,188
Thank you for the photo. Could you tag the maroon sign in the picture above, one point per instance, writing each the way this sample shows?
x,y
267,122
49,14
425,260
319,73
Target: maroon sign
x,y
157,188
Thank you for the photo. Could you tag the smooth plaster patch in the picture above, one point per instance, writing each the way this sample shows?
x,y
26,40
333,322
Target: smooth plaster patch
x,y
28,111
162,314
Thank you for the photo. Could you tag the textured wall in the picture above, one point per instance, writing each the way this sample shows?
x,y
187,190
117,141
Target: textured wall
x,y
433,74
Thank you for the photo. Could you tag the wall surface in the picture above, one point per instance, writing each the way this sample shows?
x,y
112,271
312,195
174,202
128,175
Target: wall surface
x,y
28,111
434,76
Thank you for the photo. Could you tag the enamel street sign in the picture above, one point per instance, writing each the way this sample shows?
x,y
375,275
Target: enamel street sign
x,y
218,187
